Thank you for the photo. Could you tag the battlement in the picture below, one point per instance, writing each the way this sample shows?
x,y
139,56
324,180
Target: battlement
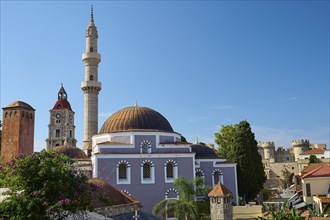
x,y
299,142
266,144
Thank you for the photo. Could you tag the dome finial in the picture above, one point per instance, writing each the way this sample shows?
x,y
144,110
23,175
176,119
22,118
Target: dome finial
x,y
92,15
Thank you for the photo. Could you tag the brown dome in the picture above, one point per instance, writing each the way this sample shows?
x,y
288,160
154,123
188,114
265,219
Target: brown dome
x,y
71,152
136,118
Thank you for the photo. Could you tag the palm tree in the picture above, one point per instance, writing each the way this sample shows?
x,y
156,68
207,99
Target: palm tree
x,y
183,208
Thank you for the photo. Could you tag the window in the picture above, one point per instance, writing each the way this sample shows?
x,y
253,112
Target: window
x,y
123,172
171,171
145,147
308,189
91,78
22,114
199,173
217,177
173,194
70,133
147,172
57,121
6,115
91,49
57,133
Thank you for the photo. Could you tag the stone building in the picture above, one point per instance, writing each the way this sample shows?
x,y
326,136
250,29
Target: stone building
x,y
61,128
18,130
282,165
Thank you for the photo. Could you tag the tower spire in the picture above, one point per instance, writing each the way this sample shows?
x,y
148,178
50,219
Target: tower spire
x,y
92,14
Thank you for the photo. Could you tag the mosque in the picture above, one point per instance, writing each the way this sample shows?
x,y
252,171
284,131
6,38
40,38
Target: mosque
x,y
136,150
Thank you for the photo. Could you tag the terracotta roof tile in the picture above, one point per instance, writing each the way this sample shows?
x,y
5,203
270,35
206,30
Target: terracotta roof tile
x,y
311,167
325,199
321,171
220,190
313,151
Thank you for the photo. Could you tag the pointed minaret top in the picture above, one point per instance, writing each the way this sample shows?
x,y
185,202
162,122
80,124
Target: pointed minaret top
x,y
92,15
135,104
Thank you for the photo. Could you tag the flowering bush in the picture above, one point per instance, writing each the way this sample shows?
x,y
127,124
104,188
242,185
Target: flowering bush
x,y
43,185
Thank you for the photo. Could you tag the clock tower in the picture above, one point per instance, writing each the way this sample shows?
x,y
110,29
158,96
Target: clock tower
x,y
90,86
61,127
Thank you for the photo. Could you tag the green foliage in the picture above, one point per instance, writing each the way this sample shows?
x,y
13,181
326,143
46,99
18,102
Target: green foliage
x,y
237,143
185,208
183,139
266,194
224,139
314,159
43,185
283,214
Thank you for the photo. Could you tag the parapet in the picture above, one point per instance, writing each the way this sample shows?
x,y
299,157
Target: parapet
x,y
266,144
299,142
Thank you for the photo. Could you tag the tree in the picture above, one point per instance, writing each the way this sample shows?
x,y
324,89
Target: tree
x,y
238,144
183,208
224,139
314,159
43,185
284,213
0,135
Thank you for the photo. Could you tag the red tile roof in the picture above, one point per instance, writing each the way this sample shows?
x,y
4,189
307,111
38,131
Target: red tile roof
x,y
220,190
313,151
311,167
321,171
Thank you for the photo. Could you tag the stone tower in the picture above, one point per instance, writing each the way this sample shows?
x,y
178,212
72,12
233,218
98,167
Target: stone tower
x,y
220,203
268,150
61,127
91,86
299,146
17,130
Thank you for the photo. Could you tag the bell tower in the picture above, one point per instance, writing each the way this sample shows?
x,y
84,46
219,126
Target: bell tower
x,y
91,86
61,127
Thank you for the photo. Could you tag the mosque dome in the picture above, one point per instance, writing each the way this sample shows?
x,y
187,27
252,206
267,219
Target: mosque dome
x,y
71,152
136,118
203,152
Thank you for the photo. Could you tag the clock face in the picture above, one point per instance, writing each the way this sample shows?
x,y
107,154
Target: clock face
x,y
58,115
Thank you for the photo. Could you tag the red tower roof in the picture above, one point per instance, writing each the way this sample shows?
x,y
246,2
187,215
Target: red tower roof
x,y
62,102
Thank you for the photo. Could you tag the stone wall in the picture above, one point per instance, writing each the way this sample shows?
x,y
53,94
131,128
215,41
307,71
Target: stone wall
x,y
278,174
118,209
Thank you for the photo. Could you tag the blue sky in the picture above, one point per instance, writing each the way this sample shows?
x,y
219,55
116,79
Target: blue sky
x,y
201,64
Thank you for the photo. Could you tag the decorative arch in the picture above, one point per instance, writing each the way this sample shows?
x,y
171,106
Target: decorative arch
x,y
125,191
171,171
147,172
217,176
123,171
199,173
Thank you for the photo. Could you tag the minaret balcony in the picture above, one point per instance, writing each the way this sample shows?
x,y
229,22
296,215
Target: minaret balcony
x,y
91,55
95,84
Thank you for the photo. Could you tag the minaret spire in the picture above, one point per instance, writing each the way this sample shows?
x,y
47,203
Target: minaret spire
x,y
92,15
91,86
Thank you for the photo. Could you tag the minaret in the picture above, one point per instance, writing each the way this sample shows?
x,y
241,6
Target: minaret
x,y
91,86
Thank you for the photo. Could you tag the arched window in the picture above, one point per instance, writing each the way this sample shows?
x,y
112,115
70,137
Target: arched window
x,y
147,172
6,114
70,133
199,173
91,77
57,132
171,171
123,172
22,114
217,177
91,49
173,194
145,147
11,114
30,115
